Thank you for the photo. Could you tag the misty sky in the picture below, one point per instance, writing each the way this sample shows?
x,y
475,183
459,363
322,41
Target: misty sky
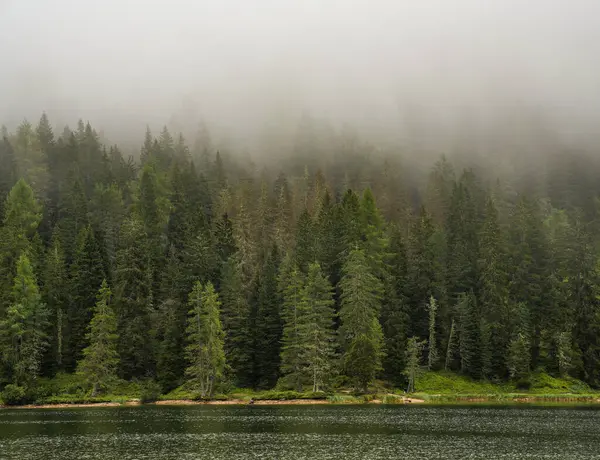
x,y
239,63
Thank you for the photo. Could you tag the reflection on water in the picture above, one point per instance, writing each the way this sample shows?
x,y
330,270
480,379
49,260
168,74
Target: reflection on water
x,y
300,432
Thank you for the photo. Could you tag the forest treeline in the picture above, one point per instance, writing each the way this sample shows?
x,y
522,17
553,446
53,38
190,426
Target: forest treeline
x,y
190,266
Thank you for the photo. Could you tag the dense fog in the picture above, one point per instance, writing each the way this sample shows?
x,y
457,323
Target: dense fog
x,y
432,72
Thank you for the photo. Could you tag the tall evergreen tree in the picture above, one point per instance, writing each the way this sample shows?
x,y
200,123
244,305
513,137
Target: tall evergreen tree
x,y
394,315
294,316
55,295
134,302
23,329
235,317
470,336
493,295
266,325
205,339
316,328
100,358
360,333
22,215
86,274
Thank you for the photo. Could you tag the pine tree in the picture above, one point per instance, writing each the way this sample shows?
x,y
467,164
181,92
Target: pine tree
x,y
283,214
519,357
306,241
451,346
373,238
146,151
30,157
22,215
219,173
24,338
86,274
329,238
360,333
55,296
350,222
493,295
100,358
267,325
394,315
412,370
205,339
107,215
225,240
170,324
134,303
439,190
294,316
72,214
316,328
470,340
432,353
528,262
422,281
235,314
8,171
461,229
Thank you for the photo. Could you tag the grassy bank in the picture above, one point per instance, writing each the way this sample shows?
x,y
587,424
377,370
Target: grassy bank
x,y
445,388
432,388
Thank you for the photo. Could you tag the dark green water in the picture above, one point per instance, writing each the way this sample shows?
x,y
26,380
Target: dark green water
x,y
301,432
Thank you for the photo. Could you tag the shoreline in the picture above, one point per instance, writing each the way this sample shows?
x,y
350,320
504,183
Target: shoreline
x,y
425,399
228,402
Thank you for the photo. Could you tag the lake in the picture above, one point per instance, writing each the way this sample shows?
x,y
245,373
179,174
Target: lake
x,y
301,432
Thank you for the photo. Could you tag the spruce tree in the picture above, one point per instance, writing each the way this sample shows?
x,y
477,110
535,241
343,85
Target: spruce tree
x,y
267,325
422,272
24,326
306,241
55,294
316,331
134,302
493,295
412,370
470,336
170,324
294,317
235,314
432,352
22,215
8,171
360,332
100,358
86,274
204,351
394,315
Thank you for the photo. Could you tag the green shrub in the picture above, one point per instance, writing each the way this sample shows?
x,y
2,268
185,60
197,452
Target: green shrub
x,y
14,395
541,382
287,395
448,382
343,399
61,383
83,399
392,399
150,392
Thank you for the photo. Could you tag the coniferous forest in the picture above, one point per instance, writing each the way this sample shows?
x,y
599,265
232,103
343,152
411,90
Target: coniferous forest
x,y
333,267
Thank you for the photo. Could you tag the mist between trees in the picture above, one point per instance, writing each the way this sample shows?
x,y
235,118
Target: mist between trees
x,y
339,265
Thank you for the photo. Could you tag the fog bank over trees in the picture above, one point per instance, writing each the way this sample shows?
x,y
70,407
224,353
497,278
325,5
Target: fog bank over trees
x,y
437,76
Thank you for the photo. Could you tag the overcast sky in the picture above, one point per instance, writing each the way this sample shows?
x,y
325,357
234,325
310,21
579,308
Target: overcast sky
x,y
237,63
